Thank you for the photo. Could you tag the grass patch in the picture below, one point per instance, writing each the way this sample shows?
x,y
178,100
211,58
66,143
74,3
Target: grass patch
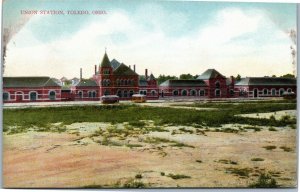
x,y
133,145
252,127
242,172
270,147
225,161
186,130
264,181
178,176
287,149
272,129
257,159
138,176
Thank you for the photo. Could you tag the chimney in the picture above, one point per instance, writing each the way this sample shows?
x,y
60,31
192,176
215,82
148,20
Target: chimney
x,y
129,67
146,73
134,67
80,74
95,69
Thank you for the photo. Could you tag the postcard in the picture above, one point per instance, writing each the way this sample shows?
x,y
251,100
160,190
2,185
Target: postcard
x,y
149,94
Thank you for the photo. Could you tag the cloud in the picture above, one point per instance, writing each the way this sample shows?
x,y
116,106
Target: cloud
x,y
220,44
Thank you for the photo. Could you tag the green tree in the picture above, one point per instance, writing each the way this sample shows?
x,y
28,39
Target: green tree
x,y
288,75
186,76
163,78
238,77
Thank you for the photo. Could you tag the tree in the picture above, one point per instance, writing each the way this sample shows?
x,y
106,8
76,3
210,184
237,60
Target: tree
x,y
288,76
238,77
273,75
163,78
186,76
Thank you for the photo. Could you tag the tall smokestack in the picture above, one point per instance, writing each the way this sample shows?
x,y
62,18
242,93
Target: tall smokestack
x,y
95,69
134,67
146,73
80,74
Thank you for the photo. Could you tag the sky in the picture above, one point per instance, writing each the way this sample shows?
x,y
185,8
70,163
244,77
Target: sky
x,y
166,37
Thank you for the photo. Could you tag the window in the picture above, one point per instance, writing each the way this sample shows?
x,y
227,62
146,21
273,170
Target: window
x,y
119,93
118,82
94,94
217,84
273,92
202,92
122,82
193,93
125,94
184,93
131,93
106,71
265,91
52,95
5,96
217,93
80,94
281,91
175,93
289,90
33,96
153,93
231,92
106,92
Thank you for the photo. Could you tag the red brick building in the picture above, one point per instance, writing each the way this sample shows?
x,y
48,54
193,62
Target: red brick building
x,y
30,89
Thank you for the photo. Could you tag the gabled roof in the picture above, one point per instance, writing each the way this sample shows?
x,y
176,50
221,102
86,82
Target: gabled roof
x,y
115,64
151,77
143,82
105,61
183,83
267,81
86,83
10,82
124,70
209,74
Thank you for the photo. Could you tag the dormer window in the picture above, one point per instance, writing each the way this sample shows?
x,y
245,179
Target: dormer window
x,y
106,71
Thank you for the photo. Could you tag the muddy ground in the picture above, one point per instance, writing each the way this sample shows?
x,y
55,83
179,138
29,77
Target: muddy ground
x,y
92,155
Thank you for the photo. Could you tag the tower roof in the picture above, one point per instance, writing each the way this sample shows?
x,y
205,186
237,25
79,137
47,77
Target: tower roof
x,y
209,74
105,61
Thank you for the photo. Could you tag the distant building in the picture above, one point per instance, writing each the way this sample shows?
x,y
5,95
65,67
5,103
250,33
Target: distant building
x,y
30,89
115,78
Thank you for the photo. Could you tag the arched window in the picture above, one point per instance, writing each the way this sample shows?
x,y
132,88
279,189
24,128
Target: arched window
x,y
118,82
273,92
119,93
217,92
125,94
145,92
94,94
153,93
6,96
289,90
80,94
122,82
107,82
125,82
231,92
202,92
175,92
184,93
33,96
217,84
265,91
193,92
131,93
52,95
281,91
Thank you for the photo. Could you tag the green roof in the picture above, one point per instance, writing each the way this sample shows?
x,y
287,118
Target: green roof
x,y
124,70
87,83
209,74
11,82
267,81
105,61
115,64
183,83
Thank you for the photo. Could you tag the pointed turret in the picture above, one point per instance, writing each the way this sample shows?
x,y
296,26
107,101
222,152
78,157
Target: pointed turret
x,y
105,61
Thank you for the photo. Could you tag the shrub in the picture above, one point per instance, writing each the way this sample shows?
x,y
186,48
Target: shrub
x,y
287,149
198,161
270,147
264,181
178,176
138,176
257,159
162,173
272,129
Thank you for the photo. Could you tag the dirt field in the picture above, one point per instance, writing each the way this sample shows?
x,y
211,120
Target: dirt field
x,y
84,156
